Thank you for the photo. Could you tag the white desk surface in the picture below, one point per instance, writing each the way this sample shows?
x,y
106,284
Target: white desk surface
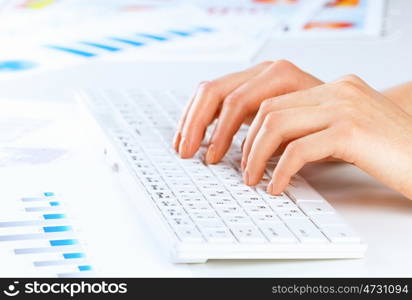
x,y
380,215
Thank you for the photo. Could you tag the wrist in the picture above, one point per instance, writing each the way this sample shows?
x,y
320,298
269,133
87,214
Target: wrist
x,y
401,95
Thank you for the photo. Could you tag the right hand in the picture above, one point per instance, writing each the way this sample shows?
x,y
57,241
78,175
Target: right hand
x,y
234,99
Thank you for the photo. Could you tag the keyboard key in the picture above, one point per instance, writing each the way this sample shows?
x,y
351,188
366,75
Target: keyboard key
x,y
222,202
210,223
279,206
278,233
257,209
273,198
327,220
230,210
252,201
299,190
294,213
181,221
237,220
248,234
266,218
218,235
161,195
196,204
316,208
173,212
216,194
341,234
306,231
169,203
203,215
189,234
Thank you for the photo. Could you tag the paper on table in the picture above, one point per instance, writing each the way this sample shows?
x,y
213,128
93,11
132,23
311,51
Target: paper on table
x,y
342,18
103,221
181,32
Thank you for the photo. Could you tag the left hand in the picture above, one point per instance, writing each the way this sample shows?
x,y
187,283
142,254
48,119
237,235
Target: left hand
x,y
346,120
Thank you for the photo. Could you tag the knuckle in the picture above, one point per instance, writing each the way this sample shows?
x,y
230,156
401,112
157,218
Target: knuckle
x,y
287,74
282,64
266,63
347,87
234,100
265,107
294,149
272,120
352,78
208,86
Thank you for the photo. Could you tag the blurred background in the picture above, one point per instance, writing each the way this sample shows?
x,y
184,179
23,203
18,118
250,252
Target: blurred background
x,y
44,35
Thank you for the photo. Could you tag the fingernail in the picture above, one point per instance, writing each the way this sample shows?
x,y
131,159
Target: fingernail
x,y
183,147
176,141
210,154
246,177
269,188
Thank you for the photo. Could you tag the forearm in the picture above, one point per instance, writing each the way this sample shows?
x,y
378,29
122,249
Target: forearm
x,y
401,95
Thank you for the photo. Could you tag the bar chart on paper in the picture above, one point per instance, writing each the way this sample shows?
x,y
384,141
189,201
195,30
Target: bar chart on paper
x,y
117,46
42,240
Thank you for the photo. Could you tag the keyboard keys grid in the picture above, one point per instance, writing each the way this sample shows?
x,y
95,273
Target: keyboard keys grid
x,y
211,202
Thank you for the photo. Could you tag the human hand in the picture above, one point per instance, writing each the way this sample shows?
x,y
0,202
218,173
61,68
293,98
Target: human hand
x,y
233,100
346,120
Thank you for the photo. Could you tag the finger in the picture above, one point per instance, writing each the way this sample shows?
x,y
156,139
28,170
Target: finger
x,y
206,103
313,147
283,146
244,101
178,135
280,78
305,98
278,127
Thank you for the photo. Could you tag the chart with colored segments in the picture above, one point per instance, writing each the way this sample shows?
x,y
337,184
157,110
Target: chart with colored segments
x,y
43,238
350,18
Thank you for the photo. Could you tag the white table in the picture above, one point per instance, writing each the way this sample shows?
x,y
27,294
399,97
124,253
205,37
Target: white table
x,y
380,215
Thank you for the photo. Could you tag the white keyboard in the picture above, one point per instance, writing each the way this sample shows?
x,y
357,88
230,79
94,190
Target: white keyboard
x,y
206,212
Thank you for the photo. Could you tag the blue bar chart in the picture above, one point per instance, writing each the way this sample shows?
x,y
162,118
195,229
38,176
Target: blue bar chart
x,y
85,49
113,44
46,238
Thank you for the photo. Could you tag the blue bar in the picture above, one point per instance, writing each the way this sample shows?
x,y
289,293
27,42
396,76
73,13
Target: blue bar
x,y
48,194
153,37
63,242
56,228
73,255
72,51
181,33
54,203
101,46
85,268
38,208
23,251
20,223
33,199
21,237
16,65
133,43
54,216
204,29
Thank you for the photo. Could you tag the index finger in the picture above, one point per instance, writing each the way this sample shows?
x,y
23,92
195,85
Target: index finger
x,y
206,103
